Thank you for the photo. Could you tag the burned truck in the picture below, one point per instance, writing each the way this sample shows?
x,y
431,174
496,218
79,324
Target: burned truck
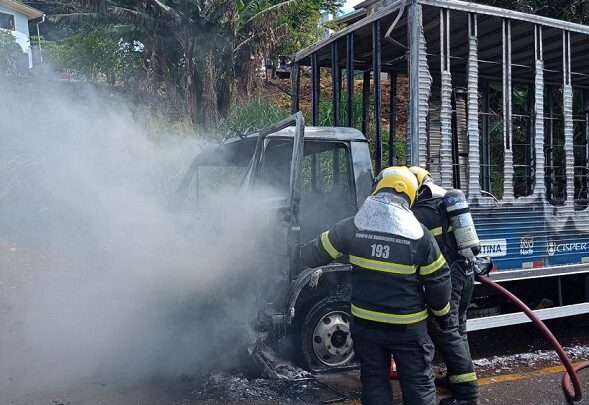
x,y
498,106
318,175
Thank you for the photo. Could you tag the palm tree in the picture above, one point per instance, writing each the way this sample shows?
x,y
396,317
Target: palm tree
x,y
192,47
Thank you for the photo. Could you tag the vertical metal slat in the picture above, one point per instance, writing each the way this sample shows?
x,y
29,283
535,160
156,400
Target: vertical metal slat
x,y
568,117
539,183
550,152
350,80
419,88
507,113
295,87
446,161
336,84
485,144
377,93
413,115
314,90
393,121
365,101
474,150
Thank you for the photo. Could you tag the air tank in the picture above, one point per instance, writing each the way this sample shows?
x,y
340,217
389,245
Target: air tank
x,y
461,222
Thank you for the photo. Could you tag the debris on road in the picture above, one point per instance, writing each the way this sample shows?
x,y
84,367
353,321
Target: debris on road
x,y
220,387
532,359
272,365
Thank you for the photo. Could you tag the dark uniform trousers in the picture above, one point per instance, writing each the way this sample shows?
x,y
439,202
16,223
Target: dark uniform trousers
x,y
413,352
452,342
462,289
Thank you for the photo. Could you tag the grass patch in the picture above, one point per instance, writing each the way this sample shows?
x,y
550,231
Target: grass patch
x,y
257,113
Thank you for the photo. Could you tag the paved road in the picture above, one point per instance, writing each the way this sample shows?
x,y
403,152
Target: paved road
x,y
535,387
506,377
514,364
540,386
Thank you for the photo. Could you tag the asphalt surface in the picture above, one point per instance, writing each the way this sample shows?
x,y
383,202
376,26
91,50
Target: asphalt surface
x,y
522,386
514,365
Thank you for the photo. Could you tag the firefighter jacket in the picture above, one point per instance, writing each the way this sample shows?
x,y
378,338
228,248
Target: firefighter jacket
x,y
430,213
395,279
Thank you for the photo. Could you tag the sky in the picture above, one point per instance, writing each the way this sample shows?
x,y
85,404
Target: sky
x,y
349,5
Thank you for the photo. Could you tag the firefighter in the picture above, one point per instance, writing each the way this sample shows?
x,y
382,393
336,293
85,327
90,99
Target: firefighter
x,y
451,341
398,273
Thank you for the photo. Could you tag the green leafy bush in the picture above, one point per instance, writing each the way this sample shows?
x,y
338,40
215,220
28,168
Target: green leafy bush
x,y
103,54
10,54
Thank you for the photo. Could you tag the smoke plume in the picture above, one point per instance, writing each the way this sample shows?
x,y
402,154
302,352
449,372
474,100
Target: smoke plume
x,y
105,280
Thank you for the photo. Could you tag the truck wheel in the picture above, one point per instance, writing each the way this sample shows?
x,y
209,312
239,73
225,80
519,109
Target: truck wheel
x,y
326,339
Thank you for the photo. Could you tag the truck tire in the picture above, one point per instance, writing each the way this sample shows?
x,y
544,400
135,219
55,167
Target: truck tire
x,y
325,336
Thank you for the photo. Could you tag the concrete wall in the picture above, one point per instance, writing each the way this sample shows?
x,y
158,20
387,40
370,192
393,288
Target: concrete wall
x,y
22,31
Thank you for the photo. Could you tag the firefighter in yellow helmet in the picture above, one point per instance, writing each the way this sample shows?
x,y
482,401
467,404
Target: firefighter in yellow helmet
x,y
451,341
398,276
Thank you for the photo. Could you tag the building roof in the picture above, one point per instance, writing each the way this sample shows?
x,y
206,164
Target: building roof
x,y
31,12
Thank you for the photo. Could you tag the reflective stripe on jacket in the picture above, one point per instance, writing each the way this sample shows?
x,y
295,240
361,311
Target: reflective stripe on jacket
x,y
395,280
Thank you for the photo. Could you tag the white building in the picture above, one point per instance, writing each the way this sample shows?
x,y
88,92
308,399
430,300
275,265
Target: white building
x,y
15,17
323,19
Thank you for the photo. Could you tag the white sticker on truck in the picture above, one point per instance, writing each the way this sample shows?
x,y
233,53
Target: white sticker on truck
x,y
494,247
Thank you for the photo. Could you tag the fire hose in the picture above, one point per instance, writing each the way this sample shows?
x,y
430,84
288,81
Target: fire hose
x,y
570,381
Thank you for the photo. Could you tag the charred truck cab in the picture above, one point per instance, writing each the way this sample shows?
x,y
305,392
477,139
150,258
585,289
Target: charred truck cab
x,y
320,175
498,106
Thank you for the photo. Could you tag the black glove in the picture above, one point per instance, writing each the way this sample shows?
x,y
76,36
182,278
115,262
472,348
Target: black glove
x,y
483,266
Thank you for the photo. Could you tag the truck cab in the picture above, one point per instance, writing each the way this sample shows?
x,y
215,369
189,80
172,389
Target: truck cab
x,y
312,177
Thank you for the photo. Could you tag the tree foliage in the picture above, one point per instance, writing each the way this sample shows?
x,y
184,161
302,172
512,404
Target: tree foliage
x,y
573,10
196,51
11,54
302,21
108,54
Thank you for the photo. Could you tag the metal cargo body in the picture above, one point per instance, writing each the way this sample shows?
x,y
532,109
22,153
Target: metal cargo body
x,y
498,106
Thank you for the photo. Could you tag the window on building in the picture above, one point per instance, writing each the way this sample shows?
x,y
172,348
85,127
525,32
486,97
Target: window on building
x,y
522,140
581,146
555,166
7,21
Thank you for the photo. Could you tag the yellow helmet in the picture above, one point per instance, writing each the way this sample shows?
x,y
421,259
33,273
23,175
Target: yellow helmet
x,y
399,179
420,173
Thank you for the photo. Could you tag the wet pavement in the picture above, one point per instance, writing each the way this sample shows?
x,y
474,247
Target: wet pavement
x,y
514,364
537,386
506,376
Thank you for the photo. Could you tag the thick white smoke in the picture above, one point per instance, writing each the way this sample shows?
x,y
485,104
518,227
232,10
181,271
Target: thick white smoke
x,y
120,286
